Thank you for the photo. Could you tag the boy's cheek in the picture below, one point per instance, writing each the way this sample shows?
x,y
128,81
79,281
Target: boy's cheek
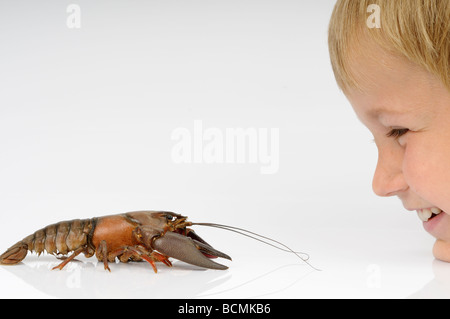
x,y
441,250
427,174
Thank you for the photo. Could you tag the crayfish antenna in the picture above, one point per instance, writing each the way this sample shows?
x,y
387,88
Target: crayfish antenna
x,y
266,240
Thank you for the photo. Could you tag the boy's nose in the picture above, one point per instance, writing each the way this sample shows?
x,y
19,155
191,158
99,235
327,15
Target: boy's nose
x,y
388,179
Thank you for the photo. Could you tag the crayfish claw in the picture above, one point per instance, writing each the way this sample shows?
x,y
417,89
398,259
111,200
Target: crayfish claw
x,y
189,250
209,251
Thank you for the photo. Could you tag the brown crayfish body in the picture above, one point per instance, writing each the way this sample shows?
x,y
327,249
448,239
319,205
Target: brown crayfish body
x,y
135,236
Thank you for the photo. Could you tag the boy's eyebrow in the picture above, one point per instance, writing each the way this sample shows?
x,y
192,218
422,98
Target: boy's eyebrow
x,y
413,111
377,112
380,111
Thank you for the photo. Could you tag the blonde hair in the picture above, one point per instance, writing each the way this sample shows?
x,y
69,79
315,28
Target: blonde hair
x,y
418,30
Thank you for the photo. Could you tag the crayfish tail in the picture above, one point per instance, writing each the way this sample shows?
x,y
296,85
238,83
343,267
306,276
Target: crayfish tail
x,y
14,254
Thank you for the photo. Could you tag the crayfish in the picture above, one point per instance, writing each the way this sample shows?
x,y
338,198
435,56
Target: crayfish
x,y
153,236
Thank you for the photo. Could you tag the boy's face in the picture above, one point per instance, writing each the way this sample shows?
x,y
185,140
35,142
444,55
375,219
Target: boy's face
x,y
408,112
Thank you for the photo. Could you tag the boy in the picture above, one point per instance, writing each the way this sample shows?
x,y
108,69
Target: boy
x,y
392,61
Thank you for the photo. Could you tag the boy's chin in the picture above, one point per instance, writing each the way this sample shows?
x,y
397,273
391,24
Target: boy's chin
x,y
441,250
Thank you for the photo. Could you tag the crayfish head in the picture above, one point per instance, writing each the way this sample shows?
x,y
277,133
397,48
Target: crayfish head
x,y
174,221
159,219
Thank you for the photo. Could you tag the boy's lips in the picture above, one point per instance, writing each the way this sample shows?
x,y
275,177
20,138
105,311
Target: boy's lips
x,y
438,226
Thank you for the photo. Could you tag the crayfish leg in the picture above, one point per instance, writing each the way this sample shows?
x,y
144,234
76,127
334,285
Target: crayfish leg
x,y
161,258
151,262
102,254
70,258
124,254
140,252
155,256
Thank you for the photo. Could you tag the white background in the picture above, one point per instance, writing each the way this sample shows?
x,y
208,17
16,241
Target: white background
x,y
86,117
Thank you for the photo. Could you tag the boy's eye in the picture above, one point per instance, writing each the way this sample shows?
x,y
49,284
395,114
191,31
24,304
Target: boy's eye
x,y
397,132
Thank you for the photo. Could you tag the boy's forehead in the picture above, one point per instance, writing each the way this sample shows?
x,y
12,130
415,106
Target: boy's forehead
x,y
376,68
388,83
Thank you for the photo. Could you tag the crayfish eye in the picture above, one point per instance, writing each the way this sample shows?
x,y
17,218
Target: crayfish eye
x,y
169,217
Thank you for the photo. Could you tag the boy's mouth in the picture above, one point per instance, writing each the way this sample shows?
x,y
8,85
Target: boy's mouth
x,y
425,214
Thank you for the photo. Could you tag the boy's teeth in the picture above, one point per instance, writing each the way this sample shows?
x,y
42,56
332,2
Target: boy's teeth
x,y
436,210
425,214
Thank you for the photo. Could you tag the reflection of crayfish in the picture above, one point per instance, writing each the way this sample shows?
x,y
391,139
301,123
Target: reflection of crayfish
x,y
144,235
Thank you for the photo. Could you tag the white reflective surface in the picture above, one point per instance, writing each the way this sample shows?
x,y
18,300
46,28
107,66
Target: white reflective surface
x,y
346,272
